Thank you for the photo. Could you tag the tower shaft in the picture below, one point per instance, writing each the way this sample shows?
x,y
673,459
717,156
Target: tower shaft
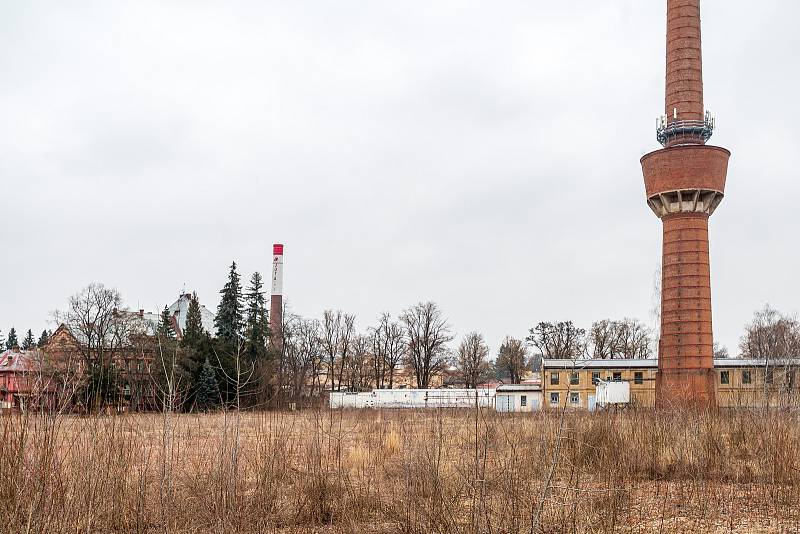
x,y
684,87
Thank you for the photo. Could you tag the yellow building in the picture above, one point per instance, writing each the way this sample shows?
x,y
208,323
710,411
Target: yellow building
x,y
740,382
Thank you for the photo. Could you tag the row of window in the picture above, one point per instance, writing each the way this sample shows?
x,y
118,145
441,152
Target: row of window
x,y
575,378
574,398
747,377
638,377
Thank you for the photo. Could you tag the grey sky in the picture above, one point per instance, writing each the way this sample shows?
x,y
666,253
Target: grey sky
x,y
481,154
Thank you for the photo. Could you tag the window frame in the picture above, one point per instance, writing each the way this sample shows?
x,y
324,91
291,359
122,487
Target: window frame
x,y
575,395
725,377
747,377
574,378
638,377
555,378
595,377
616,376
523,400
555,398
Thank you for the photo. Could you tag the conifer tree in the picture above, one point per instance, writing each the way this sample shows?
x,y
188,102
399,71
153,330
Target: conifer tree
x,y
229,317
29,342
12,340
207,392
43,339
165,329
193,332
2,340
195,347
257,324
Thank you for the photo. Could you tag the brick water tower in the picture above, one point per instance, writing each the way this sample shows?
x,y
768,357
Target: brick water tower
x,y
685,182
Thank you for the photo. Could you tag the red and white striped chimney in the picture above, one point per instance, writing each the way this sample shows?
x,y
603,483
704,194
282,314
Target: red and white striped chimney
x,y
276,302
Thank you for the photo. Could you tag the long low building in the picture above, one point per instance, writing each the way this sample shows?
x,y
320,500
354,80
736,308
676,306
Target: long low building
x,y
739,382
413,398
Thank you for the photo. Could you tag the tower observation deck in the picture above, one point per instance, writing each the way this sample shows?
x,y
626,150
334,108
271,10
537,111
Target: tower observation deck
x,y
685,183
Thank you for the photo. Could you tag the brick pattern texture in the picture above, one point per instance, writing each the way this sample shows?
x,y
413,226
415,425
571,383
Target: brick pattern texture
x,y
684,82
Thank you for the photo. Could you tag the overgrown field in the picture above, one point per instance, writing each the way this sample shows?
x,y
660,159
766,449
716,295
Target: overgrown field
x,y
401,471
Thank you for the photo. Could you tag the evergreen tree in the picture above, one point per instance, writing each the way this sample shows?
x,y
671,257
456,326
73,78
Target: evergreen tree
x,y
229,319
257,324
195,348
12,340
207,392
165,329
2,340
29,342
193,332
43,339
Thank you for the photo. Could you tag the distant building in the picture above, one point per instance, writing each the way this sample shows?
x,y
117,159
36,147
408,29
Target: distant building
x,y
738,382
24,383
178,311
518,397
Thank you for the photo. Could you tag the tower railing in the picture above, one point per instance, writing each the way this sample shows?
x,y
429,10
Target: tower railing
x,y
690,131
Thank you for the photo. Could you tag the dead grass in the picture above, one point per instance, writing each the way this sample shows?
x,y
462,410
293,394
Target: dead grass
x,y
401,471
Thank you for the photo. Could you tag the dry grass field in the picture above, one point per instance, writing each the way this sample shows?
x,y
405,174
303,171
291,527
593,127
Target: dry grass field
x,y
401,471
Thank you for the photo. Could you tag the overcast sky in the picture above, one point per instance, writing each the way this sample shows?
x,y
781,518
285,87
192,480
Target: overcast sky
x,y
484,155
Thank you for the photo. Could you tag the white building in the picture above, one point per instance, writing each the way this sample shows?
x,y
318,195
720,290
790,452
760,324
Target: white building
x,y
518,398
413,398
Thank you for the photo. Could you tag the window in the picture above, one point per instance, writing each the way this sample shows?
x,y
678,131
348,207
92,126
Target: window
x,y
523,400
747,378
770,376
554,398
618,376
575,398
554,379
574,379
638,377
595,377
724,377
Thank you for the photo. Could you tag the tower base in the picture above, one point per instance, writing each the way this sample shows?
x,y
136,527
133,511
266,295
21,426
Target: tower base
x,y
686,388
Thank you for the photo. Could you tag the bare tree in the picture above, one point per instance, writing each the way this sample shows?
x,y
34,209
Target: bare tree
x,y
561,340
627,338
104,334
358,370
771,335
303,352
427,335
513,358
347,330
775,338
472,359
331,330
388,349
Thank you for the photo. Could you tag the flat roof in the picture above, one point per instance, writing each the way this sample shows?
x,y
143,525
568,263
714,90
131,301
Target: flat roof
x,y
650,363
518,387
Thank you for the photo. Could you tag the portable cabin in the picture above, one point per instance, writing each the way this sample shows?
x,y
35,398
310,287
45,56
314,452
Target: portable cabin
x,y
518,398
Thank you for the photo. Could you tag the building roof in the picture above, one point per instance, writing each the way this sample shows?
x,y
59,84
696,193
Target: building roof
x,y
19,361
505,388
650,363
179,309
757,362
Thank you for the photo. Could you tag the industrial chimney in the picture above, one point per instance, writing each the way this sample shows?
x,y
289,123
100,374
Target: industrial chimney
x,y
685,182
276,301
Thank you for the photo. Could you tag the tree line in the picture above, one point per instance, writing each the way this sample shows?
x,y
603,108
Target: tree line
x,y
236,363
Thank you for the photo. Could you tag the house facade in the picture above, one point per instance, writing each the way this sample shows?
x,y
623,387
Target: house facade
x,y
739,382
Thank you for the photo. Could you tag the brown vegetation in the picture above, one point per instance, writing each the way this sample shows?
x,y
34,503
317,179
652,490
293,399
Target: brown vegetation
x,y
401,471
